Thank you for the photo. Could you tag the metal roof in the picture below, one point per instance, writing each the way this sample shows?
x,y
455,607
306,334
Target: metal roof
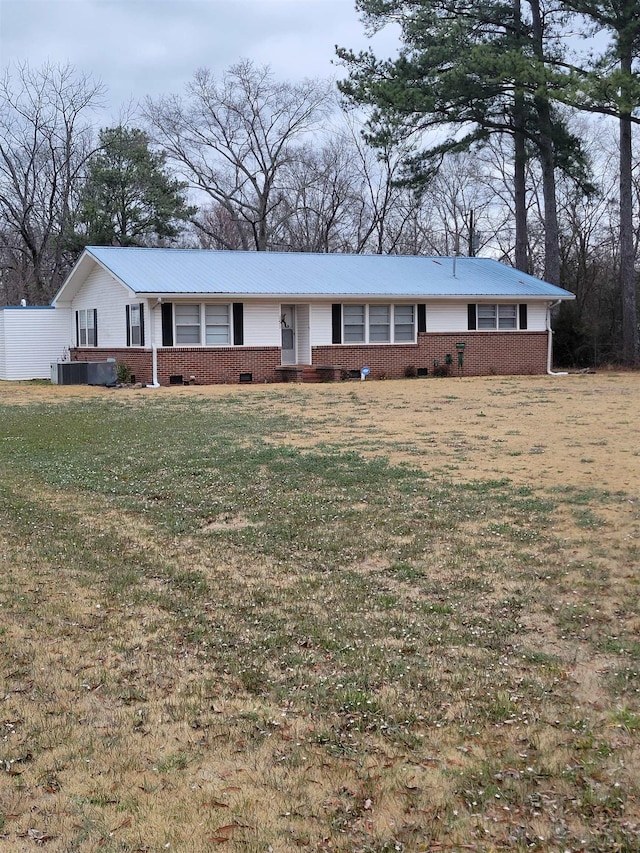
x,y
199,271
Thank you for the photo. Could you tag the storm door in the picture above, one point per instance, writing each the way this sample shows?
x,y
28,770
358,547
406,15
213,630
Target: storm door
x,y
288,333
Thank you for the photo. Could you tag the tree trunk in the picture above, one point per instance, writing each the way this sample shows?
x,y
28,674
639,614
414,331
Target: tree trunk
x,y
519,189
547,162
519,168
551,231
630,348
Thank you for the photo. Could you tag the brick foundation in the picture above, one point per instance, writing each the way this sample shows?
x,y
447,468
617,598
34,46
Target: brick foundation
x,y
138,361
206,366
485,354
219,365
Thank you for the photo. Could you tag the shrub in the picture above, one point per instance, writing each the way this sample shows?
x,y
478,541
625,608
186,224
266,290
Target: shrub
x,y
123,373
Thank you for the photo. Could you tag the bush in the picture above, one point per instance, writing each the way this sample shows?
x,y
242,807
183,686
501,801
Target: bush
x,y
123,373
441,369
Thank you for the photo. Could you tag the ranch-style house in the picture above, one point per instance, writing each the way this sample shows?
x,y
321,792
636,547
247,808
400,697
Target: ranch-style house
x,y
176,316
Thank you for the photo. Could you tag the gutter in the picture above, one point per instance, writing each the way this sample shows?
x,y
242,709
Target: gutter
x,y
348,297
550,341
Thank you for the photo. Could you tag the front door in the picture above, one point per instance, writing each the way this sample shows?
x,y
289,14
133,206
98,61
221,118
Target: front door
x,y
288,332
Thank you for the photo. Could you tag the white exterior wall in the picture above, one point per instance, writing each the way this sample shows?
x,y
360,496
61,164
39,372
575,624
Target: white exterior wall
x,y
3,361
447,316
320,324
441,317
262,324
537,317
102,292
153,327
303,347
262,321
31,339
452,316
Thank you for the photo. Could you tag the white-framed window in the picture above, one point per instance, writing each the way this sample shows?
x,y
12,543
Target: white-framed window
x,y
378,324
187,322
207,324
497,316
135,325
86,318
507,316
404,323
217,319
487,315
353,319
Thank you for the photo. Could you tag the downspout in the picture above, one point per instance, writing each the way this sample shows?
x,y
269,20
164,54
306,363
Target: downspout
x,y
154,366
154,350
550,341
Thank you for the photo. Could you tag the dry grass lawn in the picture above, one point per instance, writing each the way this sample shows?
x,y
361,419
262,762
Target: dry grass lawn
x,y
266,638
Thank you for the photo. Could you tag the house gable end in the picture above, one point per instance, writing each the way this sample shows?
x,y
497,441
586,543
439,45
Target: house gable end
x,y
77,278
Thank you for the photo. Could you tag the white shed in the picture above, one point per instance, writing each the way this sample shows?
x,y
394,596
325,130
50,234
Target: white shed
x,y
31,338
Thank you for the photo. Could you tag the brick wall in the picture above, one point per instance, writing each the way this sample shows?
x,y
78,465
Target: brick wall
x,y
208,366
222,364
139,361
485,354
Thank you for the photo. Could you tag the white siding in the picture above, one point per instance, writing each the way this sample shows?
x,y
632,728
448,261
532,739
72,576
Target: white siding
x,y
3,362
537,317
102,292
32,339
321,325
446,316
452,316
262,324
154,325
261,321
303,348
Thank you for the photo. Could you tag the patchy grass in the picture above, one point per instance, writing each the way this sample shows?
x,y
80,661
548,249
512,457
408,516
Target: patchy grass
x,y
218,628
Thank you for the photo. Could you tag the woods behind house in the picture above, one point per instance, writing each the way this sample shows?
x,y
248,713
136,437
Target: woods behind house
x,y
490,133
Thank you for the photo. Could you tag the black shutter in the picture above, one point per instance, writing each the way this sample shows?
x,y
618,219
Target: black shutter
x,y
523,316
167,324
238,324
127,311
95,326
336,323
422,318
142,324
472,322
77,328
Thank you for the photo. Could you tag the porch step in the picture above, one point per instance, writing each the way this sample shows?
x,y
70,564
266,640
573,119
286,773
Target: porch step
x,y
309,373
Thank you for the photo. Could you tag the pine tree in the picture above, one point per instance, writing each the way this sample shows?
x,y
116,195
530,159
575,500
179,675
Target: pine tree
x,y
478,67
129,198
611,86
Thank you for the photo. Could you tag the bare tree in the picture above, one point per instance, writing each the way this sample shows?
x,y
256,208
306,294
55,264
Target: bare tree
x,y
45,140
385,203
461,205
234,137
320,201
216,228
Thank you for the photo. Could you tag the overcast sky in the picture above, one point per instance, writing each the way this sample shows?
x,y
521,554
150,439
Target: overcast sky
x,y
148,47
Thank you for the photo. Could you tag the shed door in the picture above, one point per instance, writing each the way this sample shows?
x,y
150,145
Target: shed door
x,y
288,332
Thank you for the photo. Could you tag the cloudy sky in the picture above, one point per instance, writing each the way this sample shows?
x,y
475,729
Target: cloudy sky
x,y
146,47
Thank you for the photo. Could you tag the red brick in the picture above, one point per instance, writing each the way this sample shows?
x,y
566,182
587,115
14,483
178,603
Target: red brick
x,y
485,354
